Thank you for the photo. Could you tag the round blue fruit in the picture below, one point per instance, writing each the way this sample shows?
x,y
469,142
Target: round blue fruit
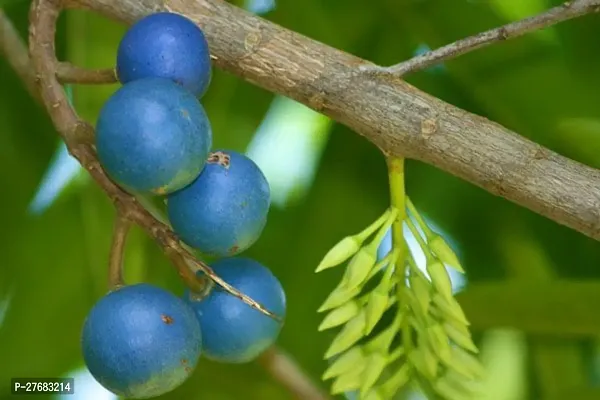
x,y
224,211
141,341
165,45
232,331
153,136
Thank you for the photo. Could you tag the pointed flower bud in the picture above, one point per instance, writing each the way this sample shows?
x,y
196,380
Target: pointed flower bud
x,y
340,315
359,267
339,253
444,252
439,277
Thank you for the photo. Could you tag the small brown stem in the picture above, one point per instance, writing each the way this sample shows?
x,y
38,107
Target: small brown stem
x,y
569,10
285,370
117,250
69,73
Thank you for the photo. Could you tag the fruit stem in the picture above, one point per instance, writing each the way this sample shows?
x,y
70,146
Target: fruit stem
x,y
117,250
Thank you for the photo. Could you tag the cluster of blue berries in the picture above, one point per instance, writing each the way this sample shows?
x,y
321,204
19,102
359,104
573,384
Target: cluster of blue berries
x,y
154,137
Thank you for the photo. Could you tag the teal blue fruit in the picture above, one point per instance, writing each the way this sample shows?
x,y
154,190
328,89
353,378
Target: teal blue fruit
x,y
165,45
224,211
141,341
153,136
232,331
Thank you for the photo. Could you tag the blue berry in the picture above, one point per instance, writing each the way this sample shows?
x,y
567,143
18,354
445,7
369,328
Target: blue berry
x,y
153,136
141,341
232,331
165,45
224,211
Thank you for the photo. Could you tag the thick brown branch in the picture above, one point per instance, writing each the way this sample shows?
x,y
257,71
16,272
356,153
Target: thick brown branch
x,y
77,135
117,250
400,119
69,73
569,10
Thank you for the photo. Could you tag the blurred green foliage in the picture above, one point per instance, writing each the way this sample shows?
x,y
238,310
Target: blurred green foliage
x,y
544,86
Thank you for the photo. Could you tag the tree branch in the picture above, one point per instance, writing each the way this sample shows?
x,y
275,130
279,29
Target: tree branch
x,y
564,12
400,119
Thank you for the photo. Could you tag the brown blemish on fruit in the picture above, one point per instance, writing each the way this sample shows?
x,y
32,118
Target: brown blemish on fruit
x,y
166,319
187,369
185,113
221,158
184,361
234,249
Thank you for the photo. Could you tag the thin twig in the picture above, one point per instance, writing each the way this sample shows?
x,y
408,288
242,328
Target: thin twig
x,y
117,250
15,52
564,12
77,135
289,374
66,72
69,73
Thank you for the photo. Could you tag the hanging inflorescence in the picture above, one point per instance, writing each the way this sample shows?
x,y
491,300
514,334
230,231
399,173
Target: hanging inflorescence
x,y
399,324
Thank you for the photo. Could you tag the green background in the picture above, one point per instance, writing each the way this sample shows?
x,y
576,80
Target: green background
x,y
533,293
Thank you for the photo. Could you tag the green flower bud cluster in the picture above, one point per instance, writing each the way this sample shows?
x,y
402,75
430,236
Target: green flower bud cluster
x,y
397,323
